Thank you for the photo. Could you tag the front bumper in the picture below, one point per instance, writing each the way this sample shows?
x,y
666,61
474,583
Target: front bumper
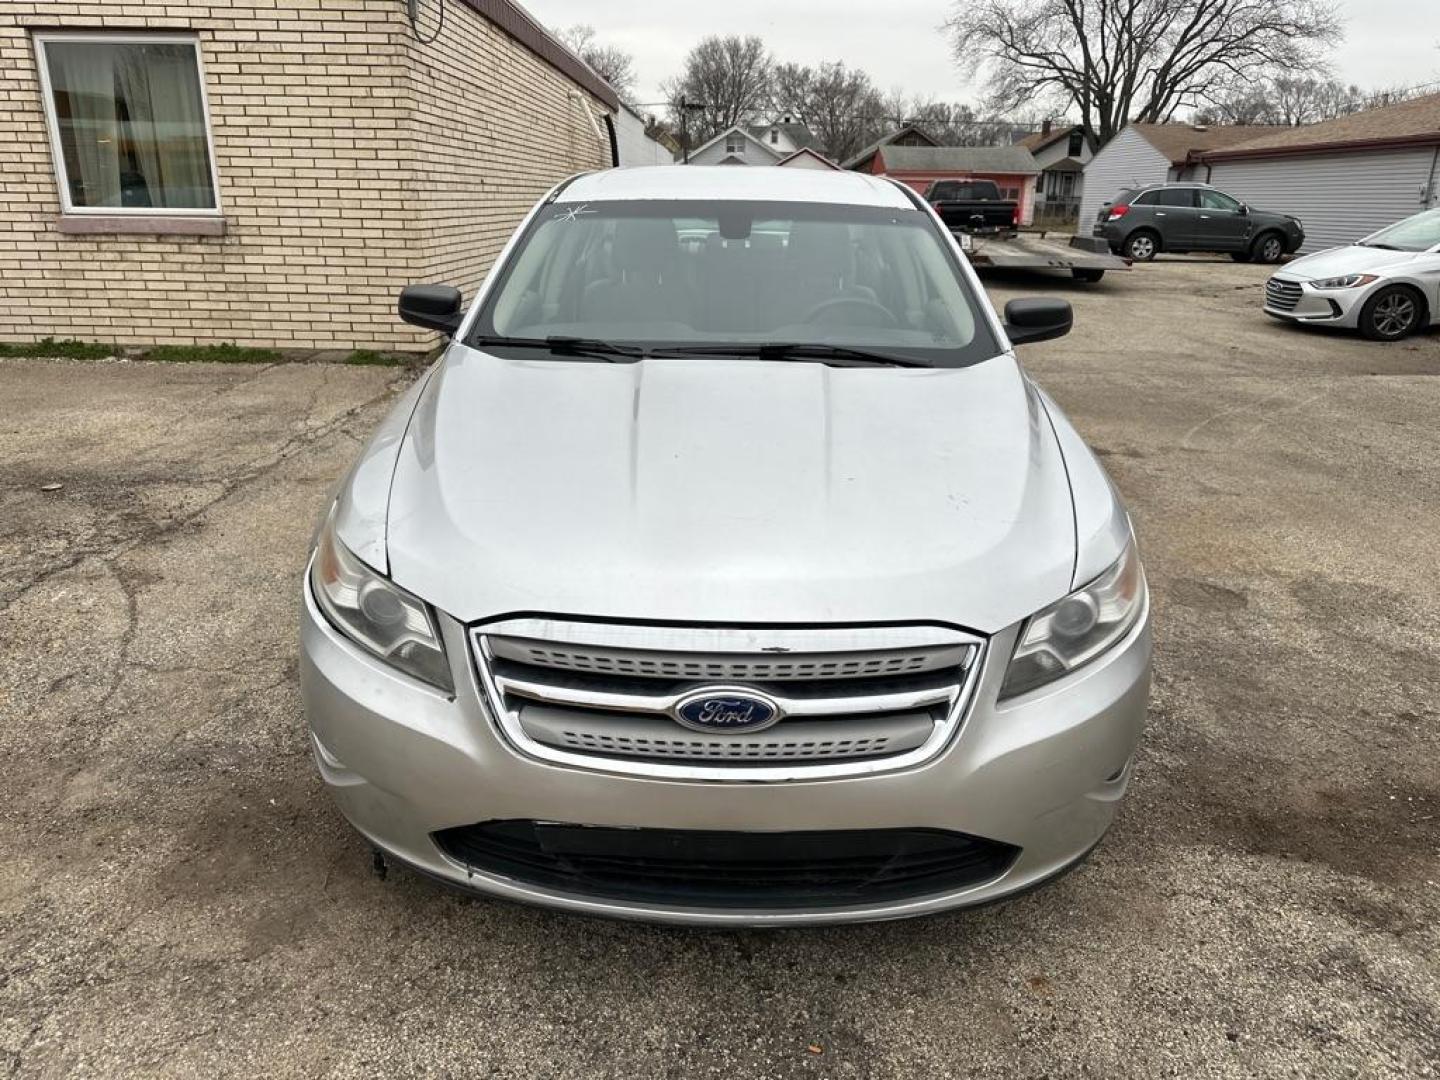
x,y
1043,772
1332,307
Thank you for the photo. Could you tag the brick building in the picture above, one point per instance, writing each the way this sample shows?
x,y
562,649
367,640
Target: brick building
x,y
271,172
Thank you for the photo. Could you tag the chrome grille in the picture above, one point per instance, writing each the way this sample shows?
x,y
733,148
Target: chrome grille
x,y
1282,295
637,735
602,696
679,666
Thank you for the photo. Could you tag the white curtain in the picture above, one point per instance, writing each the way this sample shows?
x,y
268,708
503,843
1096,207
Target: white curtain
x,y
89,123
135,131
159,87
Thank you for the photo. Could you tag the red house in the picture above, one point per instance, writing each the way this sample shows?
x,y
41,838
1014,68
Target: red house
x,y
1013,168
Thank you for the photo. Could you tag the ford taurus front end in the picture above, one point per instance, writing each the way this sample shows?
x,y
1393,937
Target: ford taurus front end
x,y
727,569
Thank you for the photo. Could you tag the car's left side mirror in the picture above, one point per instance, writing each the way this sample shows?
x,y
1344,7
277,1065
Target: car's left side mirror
x,y
435,307
1038,318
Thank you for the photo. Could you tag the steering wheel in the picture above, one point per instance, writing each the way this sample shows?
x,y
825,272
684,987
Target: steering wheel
x,y
859,303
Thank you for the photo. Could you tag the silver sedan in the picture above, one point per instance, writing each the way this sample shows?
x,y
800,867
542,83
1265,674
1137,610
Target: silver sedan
x,y
728,569
1386,286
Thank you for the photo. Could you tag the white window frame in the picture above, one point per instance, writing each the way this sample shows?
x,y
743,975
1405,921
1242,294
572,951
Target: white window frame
x,y
739,143
57,152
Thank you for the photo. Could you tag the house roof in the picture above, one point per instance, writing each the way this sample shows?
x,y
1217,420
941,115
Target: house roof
x,y
1414,122
1178,141
808,151
510,17
909,131
1041,139
960,159
798,134
736,130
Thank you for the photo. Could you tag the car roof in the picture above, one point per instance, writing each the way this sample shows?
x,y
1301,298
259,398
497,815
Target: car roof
x,y
754,183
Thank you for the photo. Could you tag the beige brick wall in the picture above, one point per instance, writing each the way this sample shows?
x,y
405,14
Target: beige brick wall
x,y
352,160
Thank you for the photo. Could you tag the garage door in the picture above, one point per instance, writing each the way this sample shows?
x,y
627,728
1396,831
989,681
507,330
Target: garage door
x,y
1339,197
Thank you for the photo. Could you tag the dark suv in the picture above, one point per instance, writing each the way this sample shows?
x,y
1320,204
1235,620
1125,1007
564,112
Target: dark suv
x,y
1141,222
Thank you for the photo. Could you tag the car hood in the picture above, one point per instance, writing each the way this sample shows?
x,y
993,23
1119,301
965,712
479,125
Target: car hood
x,y
734,491
1346,260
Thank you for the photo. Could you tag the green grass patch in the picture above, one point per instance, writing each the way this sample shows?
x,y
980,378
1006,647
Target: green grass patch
x,y
224,353
66,350
371,358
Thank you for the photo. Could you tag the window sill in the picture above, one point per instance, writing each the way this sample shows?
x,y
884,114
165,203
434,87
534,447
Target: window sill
x,y
142,224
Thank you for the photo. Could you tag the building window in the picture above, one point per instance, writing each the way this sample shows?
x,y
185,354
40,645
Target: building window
x,y
129,124
774,136
1077,143
735,144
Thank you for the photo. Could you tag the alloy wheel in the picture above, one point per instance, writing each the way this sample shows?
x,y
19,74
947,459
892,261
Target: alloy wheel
x,y
1142,248
1394,315
1271,250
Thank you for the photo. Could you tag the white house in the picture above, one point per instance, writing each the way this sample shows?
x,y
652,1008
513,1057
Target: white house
x,y
806,158
1344,178
1062,152
1144,154
754,144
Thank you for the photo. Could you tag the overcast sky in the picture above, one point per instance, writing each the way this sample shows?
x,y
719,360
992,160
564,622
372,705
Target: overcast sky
x,y
897,41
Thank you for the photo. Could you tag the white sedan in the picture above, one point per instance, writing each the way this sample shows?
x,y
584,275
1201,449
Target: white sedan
x,y
1386,285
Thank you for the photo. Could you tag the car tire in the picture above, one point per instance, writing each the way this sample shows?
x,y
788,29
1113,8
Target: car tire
x,y
1142,245
1242,256
1391,314
1087,274
1269,247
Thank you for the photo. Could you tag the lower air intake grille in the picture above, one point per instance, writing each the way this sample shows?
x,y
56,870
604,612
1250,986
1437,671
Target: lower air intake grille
x,y
694,868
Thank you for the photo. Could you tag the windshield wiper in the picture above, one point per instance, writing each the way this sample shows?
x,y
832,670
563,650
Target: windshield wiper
x,y
1387,247
566,346
838,354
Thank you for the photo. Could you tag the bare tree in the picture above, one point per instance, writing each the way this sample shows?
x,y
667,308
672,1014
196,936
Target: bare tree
x,y
728,78
615,66
839,104
956,124
1293,101
1116,61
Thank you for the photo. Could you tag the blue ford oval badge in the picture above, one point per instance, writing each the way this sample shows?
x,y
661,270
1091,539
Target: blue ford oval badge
x,y
726,710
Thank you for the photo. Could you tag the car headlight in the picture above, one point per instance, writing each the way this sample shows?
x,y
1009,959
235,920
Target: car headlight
x,y
376,614
1348,281
1075,630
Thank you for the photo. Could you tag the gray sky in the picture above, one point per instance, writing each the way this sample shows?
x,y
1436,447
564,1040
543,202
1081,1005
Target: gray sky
x,y
1387,42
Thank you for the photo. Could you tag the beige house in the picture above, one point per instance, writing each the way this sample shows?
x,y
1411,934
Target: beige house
x,y
271,172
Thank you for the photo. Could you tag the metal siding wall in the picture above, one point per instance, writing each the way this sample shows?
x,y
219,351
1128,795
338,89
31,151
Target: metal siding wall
x,y
1126,161
637,148
1339,197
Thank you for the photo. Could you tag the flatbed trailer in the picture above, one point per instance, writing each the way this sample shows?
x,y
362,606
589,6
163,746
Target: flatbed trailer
x,y
1086,257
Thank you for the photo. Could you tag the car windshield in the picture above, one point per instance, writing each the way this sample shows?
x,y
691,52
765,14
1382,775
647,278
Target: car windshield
x,y
664,275
1418,233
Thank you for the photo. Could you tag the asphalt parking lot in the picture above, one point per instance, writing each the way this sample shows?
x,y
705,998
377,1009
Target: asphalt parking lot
x,y
178,896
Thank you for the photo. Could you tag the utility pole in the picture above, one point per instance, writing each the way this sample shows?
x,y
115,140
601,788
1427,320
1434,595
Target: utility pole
x,y
686,107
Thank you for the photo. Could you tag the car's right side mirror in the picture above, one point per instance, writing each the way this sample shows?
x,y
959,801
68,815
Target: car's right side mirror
x,y
1037,318
435,307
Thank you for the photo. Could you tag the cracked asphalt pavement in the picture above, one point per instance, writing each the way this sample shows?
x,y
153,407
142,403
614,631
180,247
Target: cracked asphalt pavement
x,y
178,896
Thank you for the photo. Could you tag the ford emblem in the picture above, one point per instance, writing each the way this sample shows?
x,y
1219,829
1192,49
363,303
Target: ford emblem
x,y
726,710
